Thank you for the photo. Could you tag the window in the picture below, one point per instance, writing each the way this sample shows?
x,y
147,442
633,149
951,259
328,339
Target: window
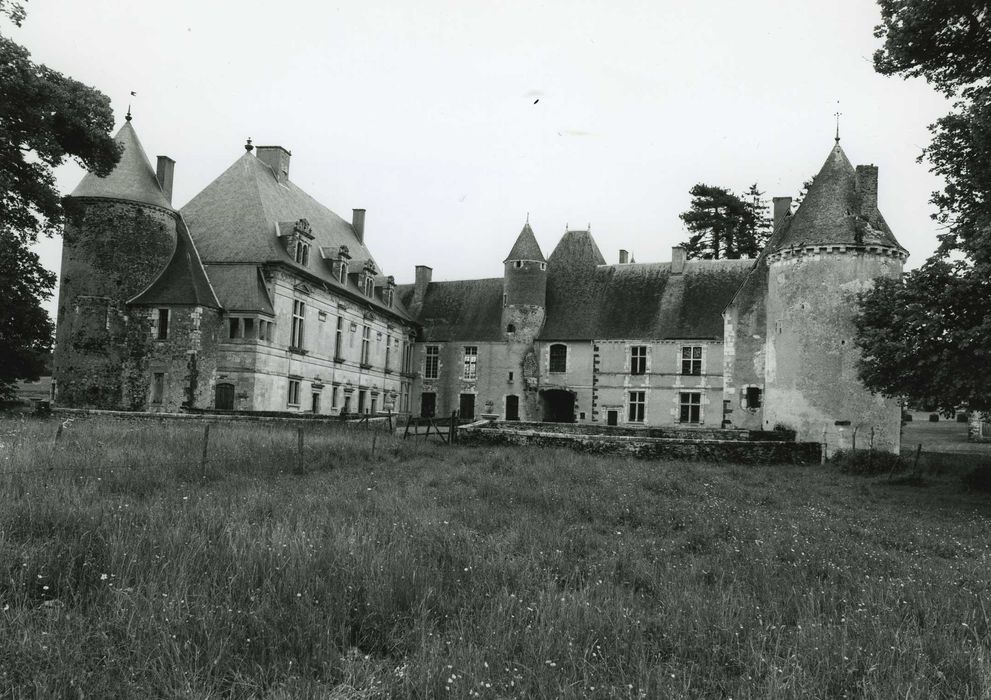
x,y
374,410
752,397
339,337
296,333
264,330
559,358
638,359
691,406
301,254
316,402
510,328
365,334
691,360
431,362
249,327
157,387
369,285
163,324
361,400
471,362
638,406
293,399
388,351
235,328
344,272
333,397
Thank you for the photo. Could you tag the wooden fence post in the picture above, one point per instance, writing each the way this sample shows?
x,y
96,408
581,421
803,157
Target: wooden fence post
x,y
299,448
206,447
374,435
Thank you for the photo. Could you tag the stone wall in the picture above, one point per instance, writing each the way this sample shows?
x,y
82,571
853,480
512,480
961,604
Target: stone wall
x,y
186,359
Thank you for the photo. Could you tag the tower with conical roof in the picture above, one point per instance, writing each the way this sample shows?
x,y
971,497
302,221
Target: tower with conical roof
x,y
120,232
833,247
524,288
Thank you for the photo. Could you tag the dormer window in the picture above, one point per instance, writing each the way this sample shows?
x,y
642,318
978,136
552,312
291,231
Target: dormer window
x,y
369,285
389,292
301,254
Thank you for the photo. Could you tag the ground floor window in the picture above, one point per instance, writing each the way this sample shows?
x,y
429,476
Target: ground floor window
x,y
690,407
316,402
157,387
333,397
638,406
752,397
293,399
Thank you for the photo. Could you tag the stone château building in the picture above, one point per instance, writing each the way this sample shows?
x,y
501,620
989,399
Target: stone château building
x,y
256,297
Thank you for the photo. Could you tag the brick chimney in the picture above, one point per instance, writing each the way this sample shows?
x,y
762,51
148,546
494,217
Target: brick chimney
x,y
677,260
624,257
867,189
164,173
423,275
782,208
358,224
277,158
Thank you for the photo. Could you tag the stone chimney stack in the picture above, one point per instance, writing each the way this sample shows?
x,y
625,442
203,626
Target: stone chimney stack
x,y
782,208
677,260
277,158
164,173
358,224
624,257
423,275
867,189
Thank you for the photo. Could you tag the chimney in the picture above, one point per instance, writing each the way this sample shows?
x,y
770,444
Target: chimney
x,y
867,189
782,208
677,260
164,173
358,224
624,257
277,158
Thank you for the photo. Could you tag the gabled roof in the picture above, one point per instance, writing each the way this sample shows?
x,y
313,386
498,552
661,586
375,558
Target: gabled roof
x,y
832,212
526,246
183,281
461,310
240,288
641,300
132,179
235,219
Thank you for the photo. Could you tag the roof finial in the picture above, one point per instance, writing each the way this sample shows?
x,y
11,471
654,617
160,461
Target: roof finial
x,y
528,217
248,147
837,115
128,115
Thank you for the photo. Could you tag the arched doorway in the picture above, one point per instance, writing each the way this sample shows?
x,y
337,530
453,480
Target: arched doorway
x,y
512,407
557,406
223,399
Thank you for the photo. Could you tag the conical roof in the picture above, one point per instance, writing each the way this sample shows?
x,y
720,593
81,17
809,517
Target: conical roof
x,y
833,212
526,246
576,249
183,281
133,178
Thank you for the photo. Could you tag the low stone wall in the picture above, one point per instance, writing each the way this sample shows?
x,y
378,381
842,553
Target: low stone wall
x,y
669,433
224,416
735,451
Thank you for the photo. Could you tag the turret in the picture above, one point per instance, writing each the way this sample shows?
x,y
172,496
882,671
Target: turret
x,y
524,288
120,233
834,246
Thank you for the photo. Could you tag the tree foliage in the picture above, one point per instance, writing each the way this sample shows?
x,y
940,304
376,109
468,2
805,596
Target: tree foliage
x,y
723,225
928,335
45,119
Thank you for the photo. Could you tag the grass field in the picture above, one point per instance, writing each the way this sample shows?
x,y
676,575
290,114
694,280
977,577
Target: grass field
x,y
430,571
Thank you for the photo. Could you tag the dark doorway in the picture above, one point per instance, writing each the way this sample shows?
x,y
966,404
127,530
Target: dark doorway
x,y
612,417
467,406
316,402
224,397
512,407
558,406
428,404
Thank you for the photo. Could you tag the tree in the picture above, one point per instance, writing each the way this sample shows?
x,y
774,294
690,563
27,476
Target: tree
x,y
45,118
928,336
723,225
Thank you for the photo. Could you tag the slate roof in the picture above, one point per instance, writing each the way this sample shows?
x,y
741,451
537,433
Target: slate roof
x,y
526,246
461,310
132,179
641,300
183,281
830,214
240,288
234,220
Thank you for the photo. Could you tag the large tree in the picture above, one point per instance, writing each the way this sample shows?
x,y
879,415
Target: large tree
x,y
722,225
928,336
45,119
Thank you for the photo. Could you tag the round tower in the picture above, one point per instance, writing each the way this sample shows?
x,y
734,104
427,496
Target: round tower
x,y
120,231
833,247
524,289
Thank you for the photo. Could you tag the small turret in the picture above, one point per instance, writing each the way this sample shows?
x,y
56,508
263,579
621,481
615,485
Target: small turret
x,y
524,288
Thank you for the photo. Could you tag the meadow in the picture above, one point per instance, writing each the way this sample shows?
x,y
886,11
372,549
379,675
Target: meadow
x,y
127,569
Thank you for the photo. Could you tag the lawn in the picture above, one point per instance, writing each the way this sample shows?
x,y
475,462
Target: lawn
x,y
418,570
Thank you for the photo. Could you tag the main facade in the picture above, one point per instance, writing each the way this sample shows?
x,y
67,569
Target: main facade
x,y
256,297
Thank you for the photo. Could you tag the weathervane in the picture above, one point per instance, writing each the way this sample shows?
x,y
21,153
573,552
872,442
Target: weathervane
x,y
837,115
128,116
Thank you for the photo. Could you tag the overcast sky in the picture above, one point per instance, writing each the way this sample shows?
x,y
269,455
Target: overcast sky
x,y
450,121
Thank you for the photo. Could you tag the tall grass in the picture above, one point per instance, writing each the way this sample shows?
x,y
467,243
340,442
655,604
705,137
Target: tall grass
x,y
430,571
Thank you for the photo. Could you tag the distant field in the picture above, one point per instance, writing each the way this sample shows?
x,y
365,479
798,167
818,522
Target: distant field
x,y
128,570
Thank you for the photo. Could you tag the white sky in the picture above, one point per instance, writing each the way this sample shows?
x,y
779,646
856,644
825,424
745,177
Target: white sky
x,y
423,112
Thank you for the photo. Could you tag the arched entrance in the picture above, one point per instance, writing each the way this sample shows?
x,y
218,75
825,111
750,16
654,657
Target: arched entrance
x,y
557,406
